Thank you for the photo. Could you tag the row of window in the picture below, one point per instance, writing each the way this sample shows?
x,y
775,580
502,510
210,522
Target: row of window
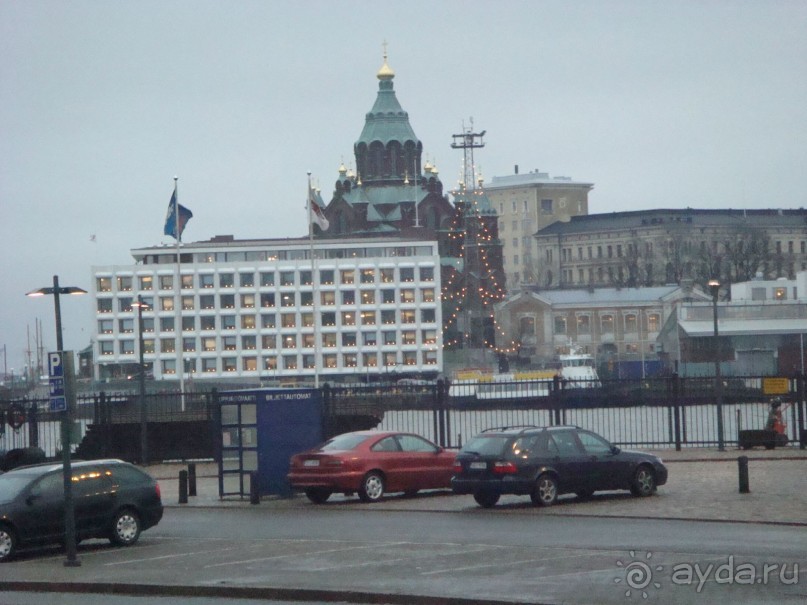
x,y
270,342
208,323
584,323
275,363
289,254
247,279
631,249
384,296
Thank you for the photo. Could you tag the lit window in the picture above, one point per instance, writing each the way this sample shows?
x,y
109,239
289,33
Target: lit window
x,y
124,283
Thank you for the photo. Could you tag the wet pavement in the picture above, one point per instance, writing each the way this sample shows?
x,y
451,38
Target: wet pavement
x,y
703,485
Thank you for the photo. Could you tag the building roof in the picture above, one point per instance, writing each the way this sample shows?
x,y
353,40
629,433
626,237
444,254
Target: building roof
x,y
677,217
743,327
617,296
534,178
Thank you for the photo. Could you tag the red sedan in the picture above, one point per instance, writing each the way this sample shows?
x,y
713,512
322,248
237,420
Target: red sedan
x,y
371,463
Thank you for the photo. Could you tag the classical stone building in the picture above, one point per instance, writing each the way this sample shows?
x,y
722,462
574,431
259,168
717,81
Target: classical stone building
x,y
657,247
526,203
614,325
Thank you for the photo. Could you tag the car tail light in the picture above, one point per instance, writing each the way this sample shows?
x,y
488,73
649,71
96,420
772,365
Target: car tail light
x,y
457,468
157,489
504,468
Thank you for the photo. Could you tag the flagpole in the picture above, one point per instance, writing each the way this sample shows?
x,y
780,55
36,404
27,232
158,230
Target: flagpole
x,y
178,301
314,281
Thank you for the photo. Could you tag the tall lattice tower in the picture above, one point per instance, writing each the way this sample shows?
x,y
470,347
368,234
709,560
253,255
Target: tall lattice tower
x,y
482,273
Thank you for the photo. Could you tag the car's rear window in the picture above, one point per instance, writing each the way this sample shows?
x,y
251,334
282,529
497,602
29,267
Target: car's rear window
x,y
486,445
11,484
343,442
128,474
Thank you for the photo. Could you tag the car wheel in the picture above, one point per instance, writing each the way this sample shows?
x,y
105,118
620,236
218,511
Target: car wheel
x,y
486,499
318,495
644,482
545,492
372,487
8,543
125,528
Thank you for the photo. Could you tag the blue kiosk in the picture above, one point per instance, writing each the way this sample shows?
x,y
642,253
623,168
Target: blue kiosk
x,y
260,430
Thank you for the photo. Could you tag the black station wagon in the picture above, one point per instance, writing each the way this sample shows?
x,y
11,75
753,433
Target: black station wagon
x,y
112,499
545,462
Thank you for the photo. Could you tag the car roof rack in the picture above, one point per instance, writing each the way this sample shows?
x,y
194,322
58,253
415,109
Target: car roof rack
x,y
511,427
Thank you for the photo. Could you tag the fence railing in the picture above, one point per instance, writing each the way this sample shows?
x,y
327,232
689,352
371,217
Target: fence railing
x,y
657,412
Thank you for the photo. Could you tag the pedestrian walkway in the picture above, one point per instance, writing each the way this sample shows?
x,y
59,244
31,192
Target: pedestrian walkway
x,y
703,484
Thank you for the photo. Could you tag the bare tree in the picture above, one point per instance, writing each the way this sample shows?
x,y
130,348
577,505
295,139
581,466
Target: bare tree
x,y
747,252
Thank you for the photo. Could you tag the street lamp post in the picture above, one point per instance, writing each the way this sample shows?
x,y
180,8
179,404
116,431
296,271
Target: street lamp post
x,y
714,287
69,508
142,382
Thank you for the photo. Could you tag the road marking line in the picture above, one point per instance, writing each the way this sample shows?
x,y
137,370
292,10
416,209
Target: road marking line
x,y
499,564
175,556
303,554
387,561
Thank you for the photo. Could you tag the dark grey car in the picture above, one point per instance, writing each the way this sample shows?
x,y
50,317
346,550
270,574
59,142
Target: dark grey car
x,y
113,499
546,462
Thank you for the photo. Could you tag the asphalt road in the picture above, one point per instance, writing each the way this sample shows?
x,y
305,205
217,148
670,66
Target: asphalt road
x,y
356,553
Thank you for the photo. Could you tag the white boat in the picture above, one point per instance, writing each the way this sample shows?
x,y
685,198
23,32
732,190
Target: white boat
x,y
576,370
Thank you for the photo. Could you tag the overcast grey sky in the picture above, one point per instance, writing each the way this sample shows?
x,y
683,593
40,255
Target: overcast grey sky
x,y
660,104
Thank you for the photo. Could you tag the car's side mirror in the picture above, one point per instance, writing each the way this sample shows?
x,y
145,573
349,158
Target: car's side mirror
x,y
32,498
615,450
440,450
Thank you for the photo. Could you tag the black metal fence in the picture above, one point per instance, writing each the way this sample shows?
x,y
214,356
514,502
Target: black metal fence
x,y
108,424
657,413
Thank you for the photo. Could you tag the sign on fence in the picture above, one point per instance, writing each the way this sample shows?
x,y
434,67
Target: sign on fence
x,y
775,386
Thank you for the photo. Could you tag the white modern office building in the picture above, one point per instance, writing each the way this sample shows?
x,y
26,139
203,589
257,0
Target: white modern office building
x,y
265,310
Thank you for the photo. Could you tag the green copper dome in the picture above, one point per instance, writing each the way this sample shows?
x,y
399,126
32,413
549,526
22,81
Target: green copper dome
x,y
386,121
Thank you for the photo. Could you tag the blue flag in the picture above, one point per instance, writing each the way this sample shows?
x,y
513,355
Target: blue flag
x,y
183,216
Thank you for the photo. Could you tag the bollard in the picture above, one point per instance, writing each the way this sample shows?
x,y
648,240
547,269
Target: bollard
x,y
254,495
742,463
191,479
183,487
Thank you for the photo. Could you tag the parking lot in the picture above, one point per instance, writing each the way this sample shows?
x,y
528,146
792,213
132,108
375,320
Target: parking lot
x,y
703,485
438,548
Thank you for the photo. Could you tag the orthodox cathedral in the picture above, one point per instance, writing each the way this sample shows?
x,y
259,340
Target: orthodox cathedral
x,y
392,193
